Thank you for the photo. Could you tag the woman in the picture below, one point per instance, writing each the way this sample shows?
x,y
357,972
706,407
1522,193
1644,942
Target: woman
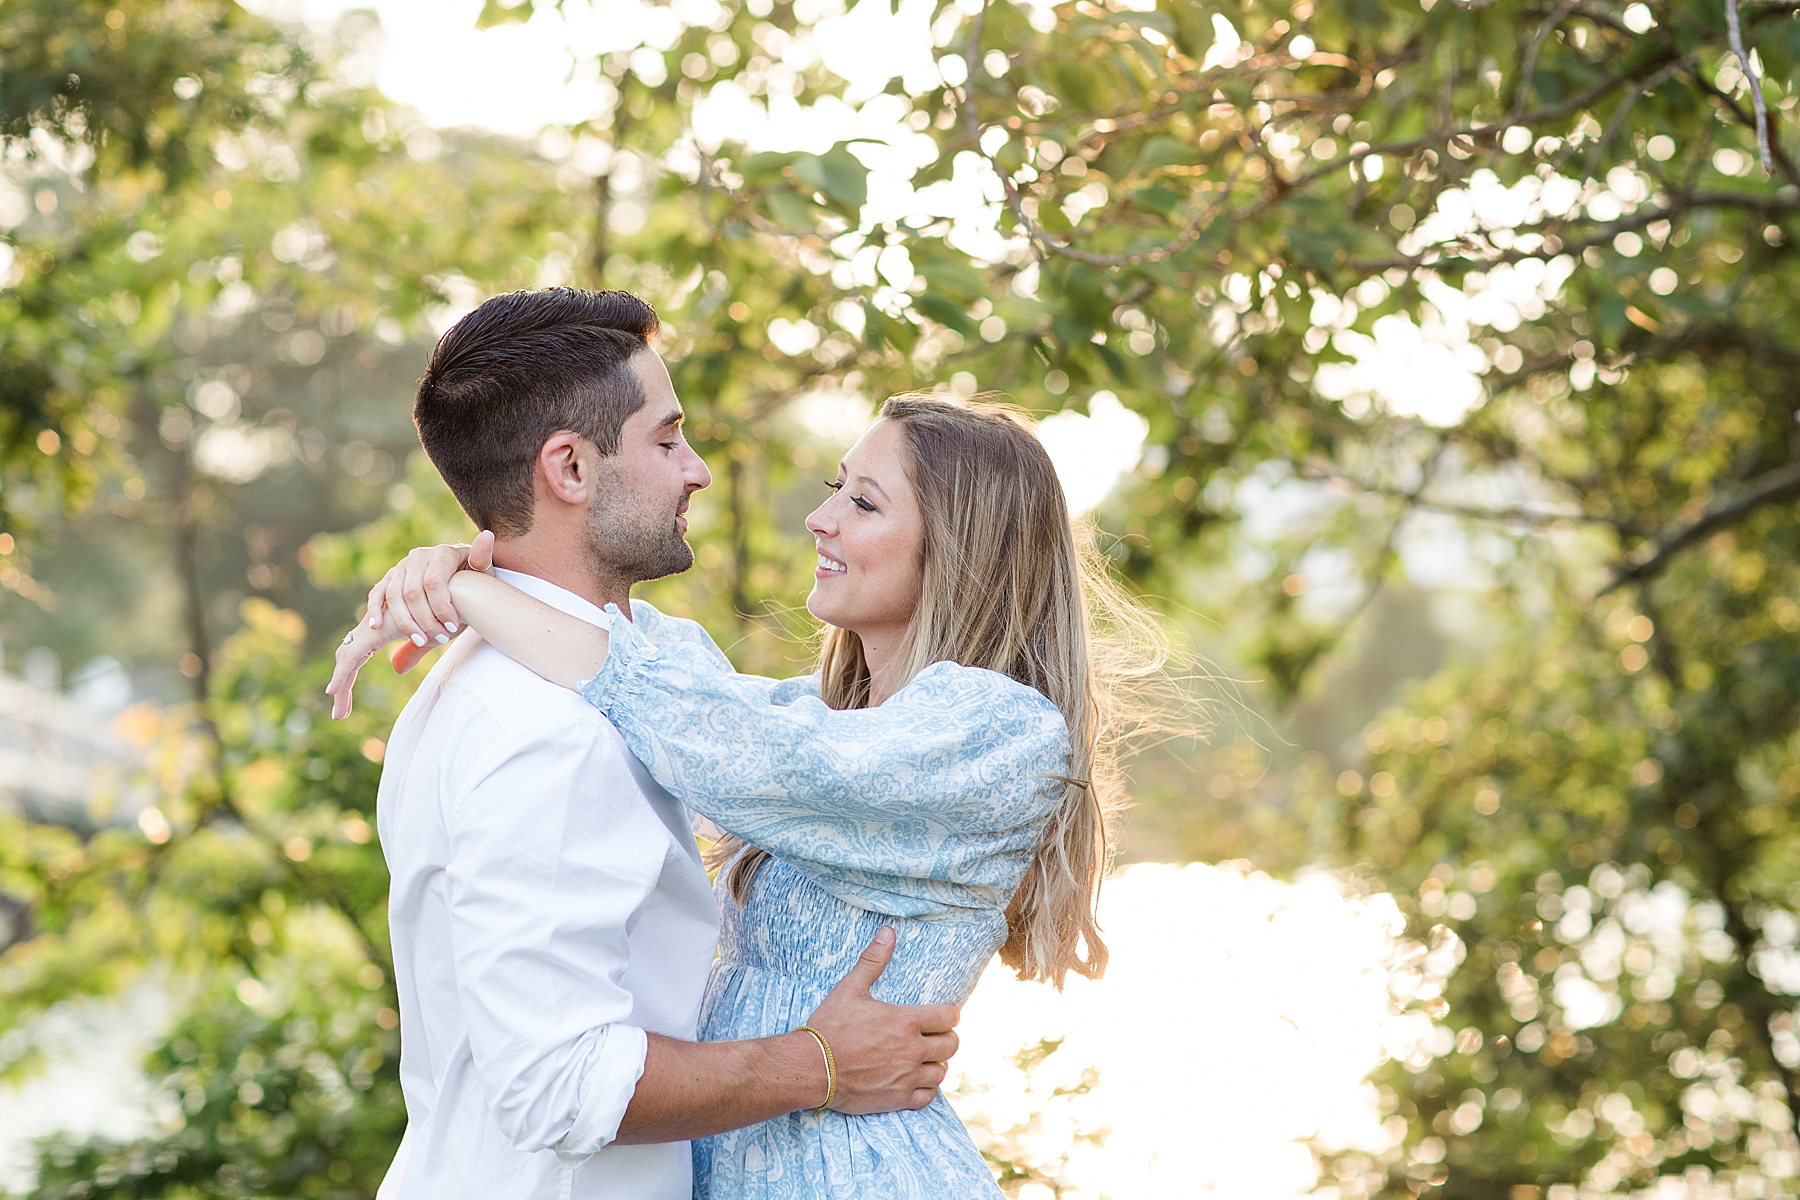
x,y
947,771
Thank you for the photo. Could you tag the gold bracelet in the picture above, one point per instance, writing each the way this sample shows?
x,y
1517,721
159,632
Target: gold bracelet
x,y
830,1066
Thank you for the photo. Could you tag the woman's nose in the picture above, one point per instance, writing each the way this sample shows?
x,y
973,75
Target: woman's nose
x,y
817,522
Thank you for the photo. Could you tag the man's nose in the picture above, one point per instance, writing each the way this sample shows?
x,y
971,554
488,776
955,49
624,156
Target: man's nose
x,y
697,474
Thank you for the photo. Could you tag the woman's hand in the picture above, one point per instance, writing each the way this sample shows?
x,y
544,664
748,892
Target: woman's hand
x,y
357,648
411,604
416,592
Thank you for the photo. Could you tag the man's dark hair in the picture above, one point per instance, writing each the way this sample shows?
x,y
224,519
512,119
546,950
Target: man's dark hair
x,y
518,370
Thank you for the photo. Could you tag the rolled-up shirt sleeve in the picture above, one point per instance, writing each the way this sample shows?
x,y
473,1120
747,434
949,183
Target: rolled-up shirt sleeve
x,y
542,862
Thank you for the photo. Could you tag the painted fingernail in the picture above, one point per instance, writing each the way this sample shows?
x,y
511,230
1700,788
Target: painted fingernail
x,y
374,620
450,625
441,639
418,639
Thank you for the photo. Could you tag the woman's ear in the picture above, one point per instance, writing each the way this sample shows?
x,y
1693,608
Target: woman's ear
x,y
563,467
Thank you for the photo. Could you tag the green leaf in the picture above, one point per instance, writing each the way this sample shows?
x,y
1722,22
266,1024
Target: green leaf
x,y
945,312
837,174
1156,198
1165,152
952,277
1611,318
761,170
498,12
790,209
875,326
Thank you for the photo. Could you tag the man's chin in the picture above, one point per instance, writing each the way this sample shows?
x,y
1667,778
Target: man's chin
x,y
679,559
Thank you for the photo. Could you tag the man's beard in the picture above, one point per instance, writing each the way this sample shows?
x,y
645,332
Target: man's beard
x,y
632,545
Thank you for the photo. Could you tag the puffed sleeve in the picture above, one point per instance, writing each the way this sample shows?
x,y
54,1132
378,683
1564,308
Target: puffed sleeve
x,y
929,803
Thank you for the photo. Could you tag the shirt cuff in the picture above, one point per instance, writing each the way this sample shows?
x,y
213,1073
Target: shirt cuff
x,y
626,649
612,1079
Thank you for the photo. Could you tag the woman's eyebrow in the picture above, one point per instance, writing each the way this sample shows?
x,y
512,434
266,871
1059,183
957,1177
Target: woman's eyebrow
x,y
869,482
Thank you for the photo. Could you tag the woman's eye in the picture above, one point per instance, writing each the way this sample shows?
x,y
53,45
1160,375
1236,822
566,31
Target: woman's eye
x,y
862,504
834,484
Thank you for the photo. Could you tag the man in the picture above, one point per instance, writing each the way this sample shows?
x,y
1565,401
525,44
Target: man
x,y
552,924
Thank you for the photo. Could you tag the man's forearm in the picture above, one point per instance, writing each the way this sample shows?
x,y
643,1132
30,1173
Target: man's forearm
x,y
696,1089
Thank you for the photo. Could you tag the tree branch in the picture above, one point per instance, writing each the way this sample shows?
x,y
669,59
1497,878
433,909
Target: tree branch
x,y
1325,473
1529,68
1756,92
1783,483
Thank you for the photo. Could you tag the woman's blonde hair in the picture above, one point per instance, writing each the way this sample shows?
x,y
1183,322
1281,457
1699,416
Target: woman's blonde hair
x,y
1009,586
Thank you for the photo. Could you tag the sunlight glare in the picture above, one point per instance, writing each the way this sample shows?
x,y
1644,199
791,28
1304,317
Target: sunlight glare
x,y
1239,1016
1094,452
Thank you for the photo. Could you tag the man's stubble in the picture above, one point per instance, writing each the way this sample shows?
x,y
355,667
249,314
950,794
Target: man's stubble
x,y
628,541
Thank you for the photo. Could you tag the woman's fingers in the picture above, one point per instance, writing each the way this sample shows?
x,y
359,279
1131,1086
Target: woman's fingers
x,y
358,646
407,656
398,611
418,593
432,569
378,602
352,653
481,551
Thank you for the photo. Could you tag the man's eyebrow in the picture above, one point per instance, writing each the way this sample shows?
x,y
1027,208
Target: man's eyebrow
x,y
671,420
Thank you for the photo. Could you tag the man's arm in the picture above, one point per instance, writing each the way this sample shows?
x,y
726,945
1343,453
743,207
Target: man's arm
x,y
546,871
887,1057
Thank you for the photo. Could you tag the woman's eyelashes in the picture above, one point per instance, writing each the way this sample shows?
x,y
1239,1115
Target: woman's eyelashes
x,y
837,485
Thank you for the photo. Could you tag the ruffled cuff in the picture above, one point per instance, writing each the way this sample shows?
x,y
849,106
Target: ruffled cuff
x,y
618,678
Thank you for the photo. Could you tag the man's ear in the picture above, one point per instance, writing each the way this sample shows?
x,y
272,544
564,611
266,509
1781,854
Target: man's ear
x,y
564,468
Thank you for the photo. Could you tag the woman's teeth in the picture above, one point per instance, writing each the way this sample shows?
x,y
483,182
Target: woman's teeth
x,y
830,564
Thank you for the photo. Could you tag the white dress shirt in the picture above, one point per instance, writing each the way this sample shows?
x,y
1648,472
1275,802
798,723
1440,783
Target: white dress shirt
x,y
547,906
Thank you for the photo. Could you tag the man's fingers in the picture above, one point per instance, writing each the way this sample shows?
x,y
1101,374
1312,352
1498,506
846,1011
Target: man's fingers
x,y
940,1047
937,1018
869,966
481,551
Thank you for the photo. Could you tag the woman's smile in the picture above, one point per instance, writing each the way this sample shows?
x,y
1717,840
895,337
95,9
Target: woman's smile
x,y
870,519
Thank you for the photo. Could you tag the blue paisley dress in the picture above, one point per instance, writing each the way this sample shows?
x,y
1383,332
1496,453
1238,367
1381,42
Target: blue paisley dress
x,y
922,813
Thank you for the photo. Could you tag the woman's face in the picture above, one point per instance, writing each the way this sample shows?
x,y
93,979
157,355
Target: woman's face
x,y
871,538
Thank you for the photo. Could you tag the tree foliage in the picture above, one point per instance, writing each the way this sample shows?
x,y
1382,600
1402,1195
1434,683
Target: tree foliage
x,y
1229,215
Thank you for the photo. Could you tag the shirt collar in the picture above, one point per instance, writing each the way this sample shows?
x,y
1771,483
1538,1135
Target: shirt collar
x,y
556,597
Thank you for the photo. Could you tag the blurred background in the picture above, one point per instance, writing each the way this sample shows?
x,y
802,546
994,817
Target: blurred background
x,y
1428,365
